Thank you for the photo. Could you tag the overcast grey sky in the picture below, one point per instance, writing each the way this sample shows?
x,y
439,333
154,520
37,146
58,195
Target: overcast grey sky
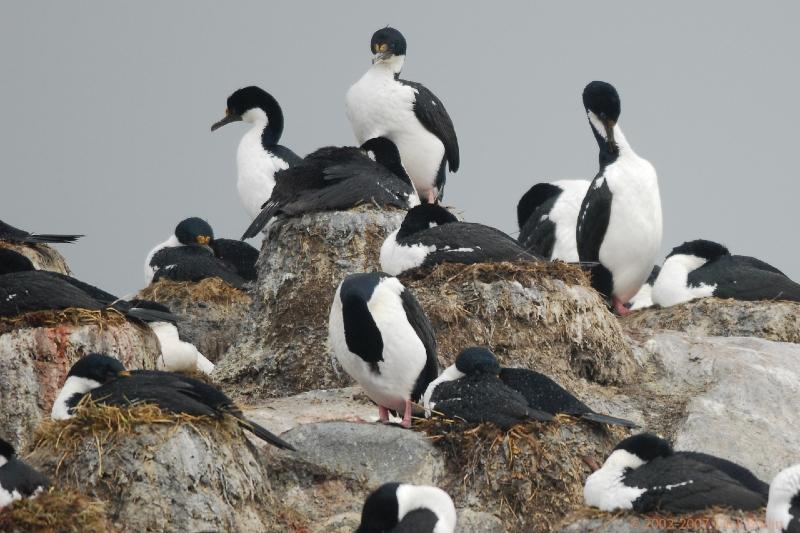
x,y
105,109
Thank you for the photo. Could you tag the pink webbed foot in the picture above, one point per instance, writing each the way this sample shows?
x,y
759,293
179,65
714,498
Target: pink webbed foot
x,y
406,423
383,414
619,306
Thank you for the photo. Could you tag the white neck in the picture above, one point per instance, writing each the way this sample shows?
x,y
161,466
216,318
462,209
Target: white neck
x,y
413,497
177,355
74,385
619,138
781,491
451,373
605,490
149,271
671,286
390,66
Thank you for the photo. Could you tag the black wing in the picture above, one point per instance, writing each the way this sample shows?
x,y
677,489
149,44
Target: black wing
x,y
193,263
592,225
10,233
417,521
737,472
422,327
432,114
679,484
738,280
541,392
24,292
541,195
95,292
240,255
21,477
286,154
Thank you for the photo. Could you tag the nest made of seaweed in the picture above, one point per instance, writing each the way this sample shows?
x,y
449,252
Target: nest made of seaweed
x,y
72,316
532,474
55,510
526,273
209,290
104,424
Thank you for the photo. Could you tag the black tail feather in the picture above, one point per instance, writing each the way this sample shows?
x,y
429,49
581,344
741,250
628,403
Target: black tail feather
x,y
265,435
261,220
605,419
541,416
35,238
150,315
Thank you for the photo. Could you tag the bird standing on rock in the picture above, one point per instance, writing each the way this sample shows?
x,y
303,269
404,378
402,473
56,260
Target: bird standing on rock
x,y
380,104
380,335
619,223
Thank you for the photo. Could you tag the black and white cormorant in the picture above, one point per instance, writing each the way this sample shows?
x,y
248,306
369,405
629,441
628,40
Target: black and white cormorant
x,y
238,254
644,297
783,508
430,234
644,474
24,289
382,338
188,255
17,479
405,508
381,104
11,234
700,268
259,155
547,216
108,383
619,224
339,178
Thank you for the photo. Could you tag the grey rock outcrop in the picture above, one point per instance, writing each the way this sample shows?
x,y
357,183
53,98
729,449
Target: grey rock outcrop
x,y
34,361
283,346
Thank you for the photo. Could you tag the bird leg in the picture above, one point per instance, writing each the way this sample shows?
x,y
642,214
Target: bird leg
x,y
432,196
406,423
619,306
383,414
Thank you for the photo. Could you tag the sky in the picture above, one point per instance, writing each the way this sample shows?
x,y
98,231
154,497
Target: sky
x,y
105,109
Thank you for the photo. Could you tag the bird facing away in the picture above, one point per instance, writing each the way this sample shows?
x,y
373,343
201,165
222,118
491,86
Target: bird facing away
x,y
380,104
405,508
644,474
380,335
783,508
17,479
107,382
24,290
620,223
700,268
188,255
547,216
11,234
430,234
339,178
259,155
472,390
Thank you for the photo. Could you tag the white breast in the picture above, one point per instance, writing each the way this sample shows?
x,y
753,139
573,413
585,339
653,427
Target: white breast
x,y
413,497
377,105
672,285
74,385
396,258
177,355
451,373
149,271
633,237
257,168
564,215
404,355
605,489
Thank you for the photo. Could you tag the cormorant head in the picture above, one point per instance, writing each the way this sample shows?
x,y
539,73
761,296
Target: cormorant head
x,y
601,101
11,261
477,360
254,105
388,46
381,510
701,248
645,446
97,367
390,503
385,152
425,216
194,230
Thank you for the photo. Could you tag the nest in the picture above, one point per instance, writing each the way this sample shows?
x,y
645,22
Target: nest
x,y
72,316
711,520
106,424
209,290
531,476
55,511
540,315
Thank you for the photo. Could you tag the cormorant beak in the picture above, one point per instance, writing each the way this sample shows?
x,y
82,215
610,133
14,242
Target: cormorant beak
x,y
123,374
229,117
609,124
203,240
381,52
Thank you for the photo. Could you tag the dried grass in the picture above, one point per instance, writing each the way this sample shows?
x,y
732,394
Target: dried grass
x,y
530,476
210,290
72,316
711,520
55,511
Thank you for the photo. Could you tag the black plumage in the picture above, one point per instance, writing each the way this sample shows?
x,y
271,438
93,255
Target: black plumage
x,y
238,254
591,230
17,476
422,327
11,234
535,234
172,392
417,521
193,263
338,178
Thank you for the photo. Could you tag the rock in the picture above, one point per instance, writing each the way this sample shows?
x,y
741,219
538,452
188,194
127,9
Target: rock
x,y
176,475
34,361
715,521
282,348
43,256
282,414
211,311
470,521
776,321
375,453
543,316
